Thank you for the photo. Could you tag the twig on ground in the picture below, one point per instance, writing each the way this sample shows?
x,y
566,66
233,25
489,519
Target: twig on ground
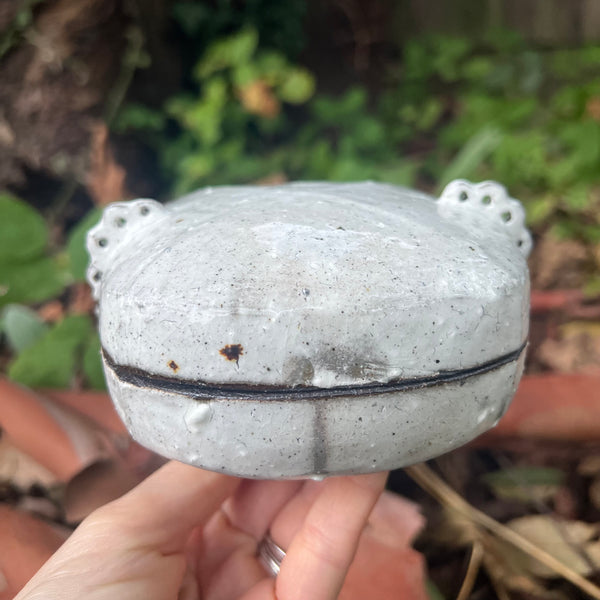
x,y
475,561
444,494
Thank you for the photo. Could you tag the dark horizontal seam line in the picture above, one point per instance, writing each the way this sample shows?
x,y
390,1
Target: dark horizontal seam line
x,y
203,391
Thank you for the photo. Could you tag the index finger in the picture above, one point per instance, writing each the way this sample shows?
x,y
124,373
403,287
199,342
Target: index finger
x,y
163,509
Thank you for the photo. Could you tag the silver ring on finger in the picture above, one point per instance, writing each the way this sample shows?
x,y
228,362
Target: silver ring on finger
x,y
270,555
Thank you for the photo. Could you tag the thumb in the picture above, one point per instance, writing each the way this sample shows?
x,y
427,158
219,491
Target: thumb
x,y
133,547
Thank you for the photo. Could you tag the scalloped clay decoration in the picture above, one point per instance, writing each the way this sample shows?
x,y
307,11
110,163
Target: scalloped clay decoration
x,y
312,329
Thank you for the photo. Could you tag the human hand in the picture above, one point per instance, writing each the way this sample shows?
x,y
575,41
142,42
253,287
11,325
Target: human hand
x,y
186,533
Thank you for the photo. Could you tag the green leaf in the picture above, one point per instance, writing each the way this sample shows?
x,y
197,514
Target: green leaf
x,y
271,65
92,363
231,51
475,151
450,52
525,483
477,68
245,74
429,114
138,116
433,591
342,110
31,282
539,209
23,233
76,250
522,159
52,360
577,198
203,117
297,87
21,326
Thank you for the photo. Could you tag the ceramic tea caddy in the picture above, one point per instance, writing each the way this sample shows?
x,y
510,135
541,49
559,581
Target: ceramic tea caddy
x,y
312,329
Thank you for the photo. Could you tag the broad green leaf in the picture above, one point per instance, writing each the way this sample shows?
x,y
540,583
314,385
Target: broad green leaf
x,y
23,233
78,255
297,87
31,281
53,359
22,326
92,363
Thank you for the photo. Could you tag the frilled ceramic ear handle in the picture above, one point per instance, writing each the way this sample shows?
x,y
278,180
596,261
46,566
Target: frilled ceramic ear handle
x,y
486,205
119,222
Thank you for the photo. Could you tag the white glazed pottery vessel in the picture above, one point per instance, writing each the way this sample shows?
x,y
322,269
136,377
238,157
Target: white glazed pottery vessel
x,y
312,329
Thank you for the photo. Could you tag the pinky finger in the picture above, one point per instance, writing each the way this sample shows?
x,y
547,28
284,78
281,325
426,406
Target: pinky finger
x,y
320,554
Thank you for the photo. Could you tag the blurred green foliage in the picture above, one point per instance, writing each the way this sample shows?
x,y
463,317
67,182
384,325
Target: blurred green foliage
x,y
27,272
495,108
51,360
32,272
546,119
228,126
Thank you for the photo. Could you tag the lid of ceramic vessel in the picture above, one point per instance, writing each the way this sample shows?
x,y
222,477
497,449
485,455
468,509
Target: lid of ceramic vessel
x,y
312,284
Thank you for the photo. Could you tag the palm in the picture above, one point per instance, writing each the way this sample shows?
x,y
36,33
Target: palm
x,y
224,553
188,534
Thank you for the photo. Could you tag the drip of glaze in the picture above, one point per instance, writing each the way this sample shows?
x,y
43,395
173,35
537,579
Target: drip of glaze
x,y
197,416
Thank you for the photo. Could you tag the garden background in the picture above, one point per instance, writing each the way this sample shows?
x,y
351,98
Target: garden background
x,y
104,100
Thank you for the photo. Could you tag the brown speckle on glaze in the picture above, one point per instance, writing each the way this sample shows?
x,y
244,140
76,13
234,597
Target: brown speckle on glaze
x,y
173,366
232,352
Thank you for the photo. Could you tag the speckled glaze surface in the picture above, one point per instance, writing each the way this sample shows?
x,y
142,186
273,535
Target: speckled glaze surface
x,y
312,328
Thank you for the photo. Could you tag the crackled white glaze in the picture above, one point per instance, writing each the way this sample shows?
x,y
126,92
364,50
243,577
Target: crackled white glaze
x,y
319,285
308,438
